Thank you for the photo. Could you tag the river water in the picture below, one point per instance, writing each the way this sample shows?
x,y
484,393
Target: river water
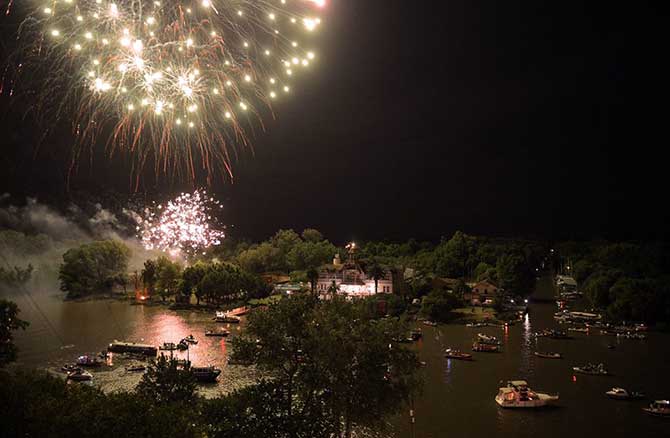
x,y
457,398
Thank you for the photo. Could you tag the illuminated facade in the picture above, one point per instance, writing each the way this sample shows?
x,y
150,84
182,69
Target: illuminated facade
x,y
351,280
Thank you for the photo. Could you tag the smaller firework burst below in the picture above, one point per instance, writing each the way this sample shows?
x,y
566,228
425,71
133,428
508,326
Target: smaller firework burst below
x,y
183,226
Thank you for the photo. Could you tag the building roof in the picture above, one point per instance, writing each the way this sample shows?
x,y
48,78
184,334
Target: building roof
x,y
484,283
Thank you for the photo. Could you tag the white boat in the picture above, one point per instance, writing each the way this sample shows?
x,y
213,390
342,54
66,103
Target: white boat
x,y
622,394
484,339
517,394
226,318
659,408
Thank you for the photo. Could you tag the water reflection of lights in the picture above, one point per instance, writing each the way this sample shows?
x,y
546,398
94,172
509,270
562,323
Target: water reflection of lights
x,y
448,371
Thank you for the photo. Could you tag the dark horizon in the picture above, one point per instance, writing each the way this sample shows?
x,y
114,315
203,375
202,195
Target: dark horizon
x,y
533,119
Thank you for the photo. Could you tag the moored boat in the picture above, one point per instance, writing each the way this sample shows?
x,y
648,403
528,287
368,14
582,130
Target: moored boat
x,y
517,394
485,348
485,339
548,355
69,367
136,368
659,408
190,339
622,394
578,329
131,347
451,353
171,346
206,374
218,333
632,335
594,370
79,375
88,361
226,318
430,323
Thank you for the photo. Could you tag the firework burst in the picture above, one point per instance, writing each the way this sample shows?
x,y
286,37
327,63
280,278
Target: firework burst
x,y
182,226
173,83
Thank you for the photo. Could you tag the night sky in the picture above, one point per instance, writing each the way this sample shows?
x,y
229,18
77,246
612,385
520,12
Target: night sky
x,y
533,118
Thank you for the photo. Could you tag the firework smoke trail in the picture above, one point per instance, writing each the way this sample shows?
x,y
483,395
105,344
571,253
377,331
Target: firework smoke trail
x,y
181,227
174,83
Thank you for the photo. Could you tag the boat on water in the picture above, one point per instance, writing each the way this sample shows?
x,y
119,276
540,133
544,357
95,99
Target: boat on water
x,y
517,394
131,347
548,355
578,329
451,353
206,374
190,339
631,335
218,333
136,368
659,408
476,324
88,361
171,346
622,394
552,334
226,317
69,367
79,375
485,348
430,323
485,339
415,335
594,370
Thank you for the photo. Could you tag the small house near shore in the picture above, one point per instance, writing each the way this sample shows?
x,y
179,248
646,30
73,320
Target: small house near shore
x,y
482,293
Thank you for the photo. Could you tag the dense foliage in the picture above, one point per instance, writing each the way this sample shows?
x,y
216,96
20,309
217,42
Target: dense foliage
x,y
214,282
94,267
630,281
287,251
9,322
329,360
15,276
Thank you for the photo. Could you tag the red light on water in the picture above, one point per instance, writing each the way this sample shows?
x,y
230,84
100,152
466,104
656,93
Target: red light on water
x,y
574,378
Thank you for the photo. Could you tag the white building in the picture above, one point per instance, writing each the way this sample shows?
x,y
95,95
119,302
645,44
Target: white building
x,y
351,279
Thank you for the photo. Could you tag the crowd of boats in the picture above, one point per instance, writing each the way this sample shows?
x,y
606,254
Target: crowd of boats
x,y
517,393
137,354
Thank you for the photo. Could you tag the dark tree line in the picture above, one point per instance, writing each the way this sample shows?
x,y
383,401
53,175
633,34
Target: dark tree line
x,y
630,281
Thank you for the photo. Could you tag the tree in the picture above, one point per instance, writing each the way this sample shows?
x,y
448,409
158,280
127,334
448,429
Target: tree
x,y
313,277
597,288
333,289
93,267
168,275
190,281
305,255
438,304
150,276
16,276
262,258
9,322
484,271
312,235
331,362
514,275
165,382
377,273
